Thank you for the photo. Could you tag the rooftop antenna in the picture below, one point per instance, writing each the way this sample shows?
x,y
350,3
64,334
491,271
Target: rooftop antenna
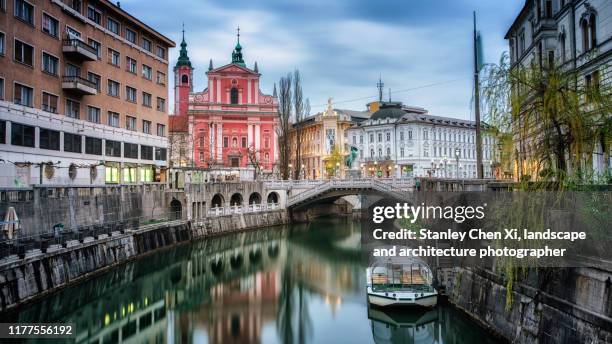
x,y
380,86
389,94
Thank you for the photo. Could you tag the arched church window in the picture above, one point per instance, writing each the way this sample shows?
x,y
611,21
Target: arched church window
x,y
184,79
234,95
584,28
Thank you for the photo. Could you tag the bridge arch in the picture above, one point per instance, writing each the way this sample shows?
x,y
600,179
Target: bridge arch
x,y
236,199
217,201
273,197
255,198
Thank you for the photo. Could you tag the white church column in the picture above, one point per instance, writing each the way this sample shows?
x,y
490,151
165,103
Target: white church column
x,y
211,146
218,91
249,135
219,142
257,137
249,91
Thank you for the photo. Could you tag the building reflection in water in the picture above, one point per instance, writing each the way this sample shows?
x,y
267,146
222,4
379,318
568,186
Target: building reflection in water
x,y
300,285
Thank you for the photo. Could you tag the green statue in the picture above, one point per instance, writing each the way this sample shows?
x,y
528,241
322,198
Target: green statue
x,y
352,157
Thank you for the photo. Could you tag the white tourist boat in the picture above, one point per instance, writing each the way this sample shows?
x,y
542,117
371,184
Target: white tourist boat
x,y
400,282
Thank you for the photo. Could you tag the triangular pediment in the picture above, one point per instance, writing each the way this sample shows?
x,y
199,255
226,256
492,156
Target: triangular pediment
x,y
233,68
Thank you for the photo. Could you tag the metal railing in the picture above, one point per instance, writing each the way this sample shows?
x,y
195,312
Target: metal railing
x,y
61,236
242,209
393,186
78,80
73,42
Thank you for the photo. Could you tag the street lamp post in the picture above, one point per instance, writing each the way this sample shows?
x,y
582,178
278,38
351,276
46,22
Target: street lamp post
x,y
457,151
290,171
444,162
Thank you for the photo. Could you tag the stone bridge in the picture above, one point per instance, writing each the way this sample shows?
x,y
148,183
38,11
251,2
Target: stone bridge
x,y
303,193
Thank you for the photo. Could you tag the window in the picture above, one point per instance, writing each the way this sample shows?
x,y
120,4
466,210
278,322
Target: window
x,y
146,126
388,136
1,89
3,5
401,152
130,94
2,40
146,44
113,119
551,58
160,154
161,52
113,148
49,139
146,99
130,150
130,123
23,95
244,142
72,143
24,11
593,32
131,65
388,151
401,136
379,137
49,102
72,33
96,45
225,142
111,174
94,15
24,53
184,79
161,78
93,146
130,36
114,57
146,152
548,10
521,42
113,88
93,114
50,25
22,135
371,138
161,104
562,46
50,64
72,109
76,5
95,79
72,70
112,25
234,95
147,72
161,130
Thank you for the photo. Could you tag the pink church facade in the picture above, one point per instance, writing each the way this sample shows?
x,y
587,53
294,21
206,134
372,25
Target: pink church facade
x,y
231,123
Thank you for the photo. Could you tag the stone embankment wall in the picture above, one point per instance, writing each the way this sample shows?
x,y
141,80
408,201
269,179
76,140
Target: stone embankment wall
x,y
560,305
39,209
28,278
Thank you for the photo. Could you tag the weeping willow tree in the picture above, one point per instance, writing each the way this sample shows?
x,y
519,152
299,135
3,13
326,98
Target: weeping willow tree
x,y
557,118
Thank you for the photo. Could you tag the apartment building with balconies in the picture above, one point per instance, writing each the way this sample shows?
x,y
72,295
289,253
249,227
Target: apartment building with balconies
x,y
83,94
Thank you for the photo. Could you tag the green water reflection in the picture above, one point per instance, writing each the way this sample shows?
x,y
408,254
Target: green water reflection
x,y
302,284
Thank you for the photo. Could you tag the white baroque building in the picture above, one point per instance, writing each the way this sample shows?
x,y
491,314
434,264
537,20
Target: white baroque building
x,y
399,141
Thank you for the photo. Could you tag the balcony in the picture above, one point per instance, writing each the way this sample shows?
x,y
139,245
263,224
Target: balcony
x,y
79,85
79,50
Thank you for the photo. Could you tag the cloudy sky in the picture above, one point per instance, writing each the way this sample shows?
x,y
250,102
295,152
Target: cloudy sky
x,y
422,49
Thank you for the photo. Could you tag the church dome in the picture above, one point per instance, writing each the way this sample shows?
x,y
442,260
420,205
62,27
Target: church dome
x,y
392,110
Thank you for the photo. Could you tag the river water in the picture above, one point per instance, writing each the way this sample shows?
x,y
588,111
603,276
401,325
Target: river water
x,y
299,284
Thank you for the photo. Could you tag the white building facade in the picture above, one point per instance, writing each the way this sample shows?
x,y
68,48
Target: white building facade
x,y
576,36
402,141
